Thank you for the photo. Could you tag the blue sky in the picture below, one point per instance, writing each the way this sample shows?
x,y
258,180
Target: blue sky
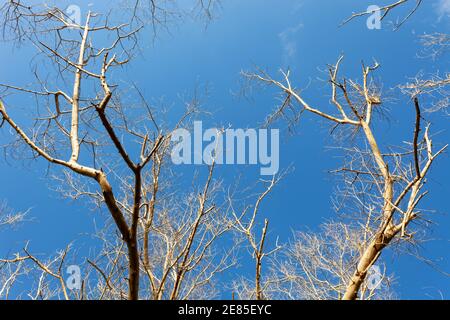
x,y
302,35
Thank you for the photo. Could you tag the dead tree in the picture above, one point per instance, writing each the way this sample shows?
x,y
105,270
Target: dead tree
x,y
165,243
434,87
317,265
9,217
388,186
245,225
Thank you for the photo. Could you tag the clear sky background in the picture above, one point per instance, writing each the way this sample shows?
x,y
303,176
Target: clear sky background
x,y
303,35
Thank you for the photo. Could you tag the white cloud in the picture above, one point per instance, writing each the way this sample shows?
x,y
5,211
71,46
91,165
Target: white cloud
x,y
443,8
289,42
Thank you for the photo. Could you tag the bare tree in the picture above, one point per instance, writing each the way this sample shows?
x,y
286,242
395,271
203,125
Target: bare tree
x,y
9,217
318,266
164,247
246,223
163,241
384,188
10,273
434,87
